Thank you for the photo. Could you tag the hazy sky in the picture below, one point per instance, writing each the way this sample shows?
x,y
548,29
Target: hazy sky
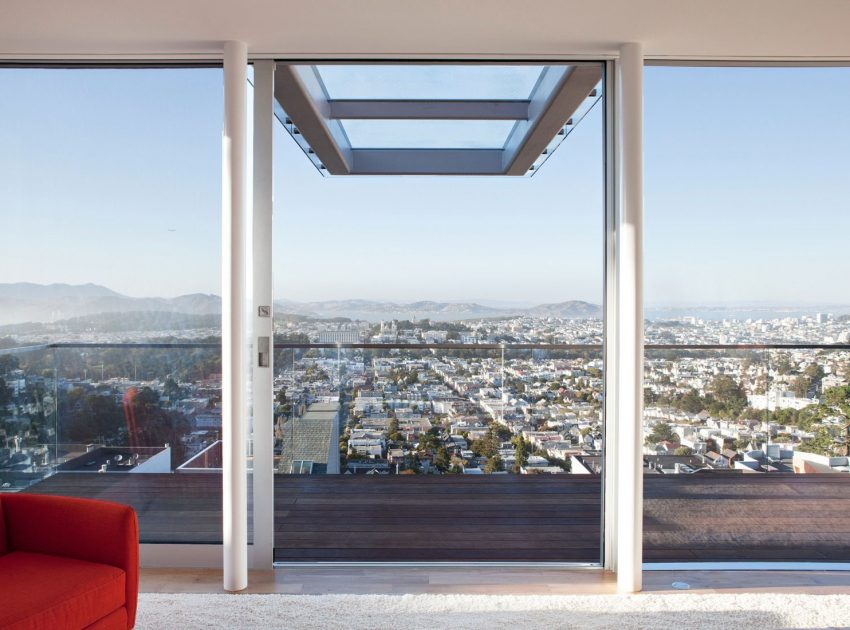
x,y
113,177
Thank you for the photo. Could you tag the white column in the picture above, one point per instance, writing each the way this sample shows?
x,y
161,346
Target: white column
x,y
233,307
629,250
262,549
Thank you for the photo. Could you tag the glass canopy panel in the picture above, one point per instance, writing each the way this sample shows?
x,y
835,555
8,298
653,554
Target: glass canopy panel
x,y
434,81
427,134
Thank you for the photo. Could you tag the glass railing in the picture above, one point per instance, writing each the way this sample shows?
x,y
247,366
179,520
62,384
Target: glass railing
x,y
115,421
438,451
745,453
745,446
448,408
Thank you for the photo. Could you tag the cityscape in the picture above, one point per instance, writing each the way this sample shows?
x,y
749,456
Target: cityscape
x,y
519,395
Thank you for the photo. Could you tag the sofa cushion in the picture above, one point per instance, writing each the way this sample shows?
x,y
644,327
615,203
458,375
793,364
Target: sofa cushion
x,y
42,591
3,543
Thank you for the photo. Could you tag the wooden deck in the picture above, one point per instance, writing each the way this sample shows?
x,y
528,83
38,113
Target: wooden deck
x,y
172,508
448,518
508,518
778,516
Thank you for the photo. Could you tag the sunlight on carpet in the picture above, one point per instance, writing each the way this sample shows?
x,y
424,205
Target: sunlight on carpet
x,y
462,612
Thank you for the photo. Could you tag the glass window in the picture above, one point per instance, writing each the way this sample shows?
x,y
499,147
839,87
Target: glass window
x,y
746,212
110,188
397,302
428,134
430,81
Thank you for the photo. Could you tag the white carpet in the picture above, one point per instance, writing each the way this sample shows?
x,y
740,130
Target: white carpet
x,y
684,611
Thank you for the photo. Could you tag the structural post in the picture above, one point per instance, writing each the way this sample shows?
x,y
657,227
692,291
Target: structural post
x,y
263,312
629,313
233,307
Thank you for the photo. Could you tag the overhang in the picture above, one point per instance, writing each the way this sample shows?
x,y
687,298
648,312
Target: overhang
x,y
433,119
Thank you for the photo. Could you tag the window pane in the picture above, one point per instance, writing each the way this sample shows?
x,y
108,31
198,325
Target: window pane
x,y
393,297
427,134
110,184
433,81
746,216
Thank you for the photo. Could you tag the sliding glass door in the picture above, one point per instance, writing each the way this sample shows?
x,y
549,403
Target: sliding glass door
x,y
438,315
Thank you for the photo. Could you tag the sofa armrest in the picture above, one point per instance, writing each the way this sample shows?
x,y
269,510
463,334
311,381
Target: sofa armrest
x,y
85,529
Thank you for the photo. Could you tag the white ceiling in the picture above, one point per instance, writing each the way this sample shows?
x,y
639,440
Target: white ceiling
x,y
402,28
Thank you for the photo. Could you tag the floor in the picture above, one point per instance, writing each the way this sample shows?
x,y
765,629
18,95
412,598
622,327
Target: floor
x,y
687,518
490,580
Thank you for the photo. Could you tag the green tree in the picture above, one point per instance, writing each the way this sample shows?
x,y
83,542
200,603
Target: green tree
x,y
691,401
522,448
487,446
839,398
95,418
441,459
822,444
393,431
494,464
728,398
661,432
154,426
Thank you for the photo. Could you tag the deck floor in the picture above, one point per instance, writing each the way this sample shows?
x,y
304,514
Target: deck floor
x,y
694,518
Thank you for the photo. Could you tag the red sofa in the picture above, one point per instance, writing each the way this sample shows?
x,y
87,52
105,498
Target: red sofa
x,y
67,563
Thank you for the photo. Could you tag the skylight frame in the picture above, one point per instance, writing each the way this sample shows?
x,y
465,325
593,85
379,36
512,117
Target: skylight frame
x,y
562,91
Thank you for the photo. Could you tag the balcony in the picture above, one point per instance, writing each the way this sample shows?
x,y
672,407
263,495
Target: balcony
x,y
697,507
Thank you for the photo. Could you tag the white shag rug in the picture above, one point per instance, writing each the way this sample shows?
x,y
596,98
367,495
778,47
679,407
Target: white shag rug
x,y
466,612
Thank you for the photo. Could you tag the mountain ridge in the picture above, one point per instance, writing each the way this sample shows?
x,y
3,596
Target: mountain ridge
x,y
29,302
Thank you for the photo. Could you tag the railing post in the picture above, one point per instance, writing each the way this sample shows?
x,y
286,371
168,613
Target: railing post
x,y
262,549
233,306
629,256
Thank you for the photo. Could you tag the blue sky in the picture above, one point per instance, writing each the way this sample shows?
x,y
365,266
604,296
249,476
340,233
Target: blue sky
x,y
113,177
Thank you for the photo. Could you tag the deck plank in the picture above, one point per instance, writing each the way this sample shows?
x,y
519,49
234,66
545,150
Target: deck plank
x,y
771,517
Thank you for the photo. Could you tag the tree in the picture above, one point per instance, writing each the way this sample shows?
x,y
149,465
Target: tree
x,y
649,396
661,432
494,464
489,445
839,398
95,418
822,444
783,364
814,372
501,432
683,451
441,459
728,399
171,389
522,448
691,401
800,386
151,425
393,431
